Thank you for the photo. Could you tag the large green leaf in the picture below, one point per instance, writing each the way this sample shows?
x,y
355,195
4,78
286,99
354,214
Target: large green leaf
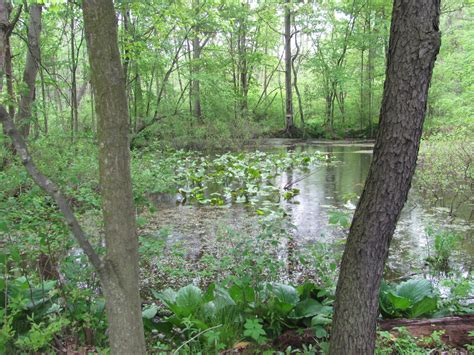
x,y
398,302
415,290
424,307
188,300
223,299
167,296
307,308
150,312
285,294
242,294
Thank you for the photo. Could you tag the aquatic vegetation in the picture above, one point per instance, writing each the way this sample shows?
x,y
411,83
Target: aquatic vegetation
x,y
444,245
242,178
445,172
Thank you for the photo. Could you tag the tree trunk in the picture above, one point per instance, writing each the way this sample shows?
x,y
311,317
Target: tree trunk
x,y
31,70
295,77
5,8
289,123
121,290
196,86
370,69
74,111
243,65
9,77
414,44
43,100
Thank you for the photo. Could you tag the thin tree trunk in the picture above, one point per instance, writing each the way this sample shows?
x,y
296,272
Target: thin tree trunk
x,y
43,101
361,106
243,66
5,8
369,69
31,70
295,78
121,290
414,44
74,111
196,85
9,77
289,123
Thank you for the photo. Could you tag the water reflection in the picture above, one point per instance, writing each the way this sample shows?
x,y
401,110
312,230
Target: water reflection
x,y
326,188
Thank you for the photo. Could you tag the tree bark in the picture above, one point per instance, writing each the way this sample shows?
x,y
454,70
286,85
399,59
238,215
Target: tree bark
x,y
414,44
121,290
31,70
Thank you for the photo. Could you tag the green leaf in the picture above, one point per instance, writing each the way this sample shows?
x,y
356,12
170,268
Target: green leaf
x,y
150,312
398,302
415,290
320,320
168,296
285,294
424,307
188,300
307,308
209,295
242,294
320,332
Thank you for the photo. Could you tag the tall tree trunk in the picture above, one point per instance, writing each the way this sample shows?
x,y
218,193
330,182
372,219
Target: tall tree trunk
x,y
243,65
43,100
295,77
361,92
196,86
370,68
9,77
289,123
5,8
74,110
121,288
414,44
31,70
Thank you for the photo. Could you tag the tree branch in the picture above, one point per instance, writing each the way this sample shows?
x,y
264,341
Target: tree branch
x,y
51,189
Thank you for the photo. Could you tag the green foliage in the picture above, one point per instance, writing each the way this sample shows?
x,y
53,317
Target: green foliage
x,y
444,244
409,299
404,343
445,173
254,330
241,310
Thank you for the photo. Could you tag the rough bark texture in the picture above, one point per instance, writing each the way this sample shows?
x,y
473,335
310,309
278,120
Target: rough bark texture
x,y
414,44
121,290
31,70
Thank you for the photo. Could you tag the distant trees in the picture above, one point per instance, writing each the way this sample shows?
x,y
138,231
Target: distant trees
x,y
197,63
414,45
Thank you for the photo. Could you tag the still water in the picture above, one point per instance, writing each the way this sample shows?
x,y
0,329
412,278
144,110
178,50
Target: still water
x,y
323,190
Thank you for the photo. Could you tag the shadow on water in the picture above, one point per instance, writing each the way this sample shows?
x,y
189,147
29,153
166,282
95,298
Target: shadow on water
x,y
324,189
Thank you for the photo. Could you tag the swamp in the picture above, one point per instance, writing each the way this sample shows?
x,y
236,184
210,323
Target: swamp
x,y
222,177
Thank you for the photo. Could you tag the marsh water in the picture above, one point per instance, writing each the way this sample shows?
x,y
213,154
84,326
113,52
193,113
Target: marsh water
x,y
326,188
